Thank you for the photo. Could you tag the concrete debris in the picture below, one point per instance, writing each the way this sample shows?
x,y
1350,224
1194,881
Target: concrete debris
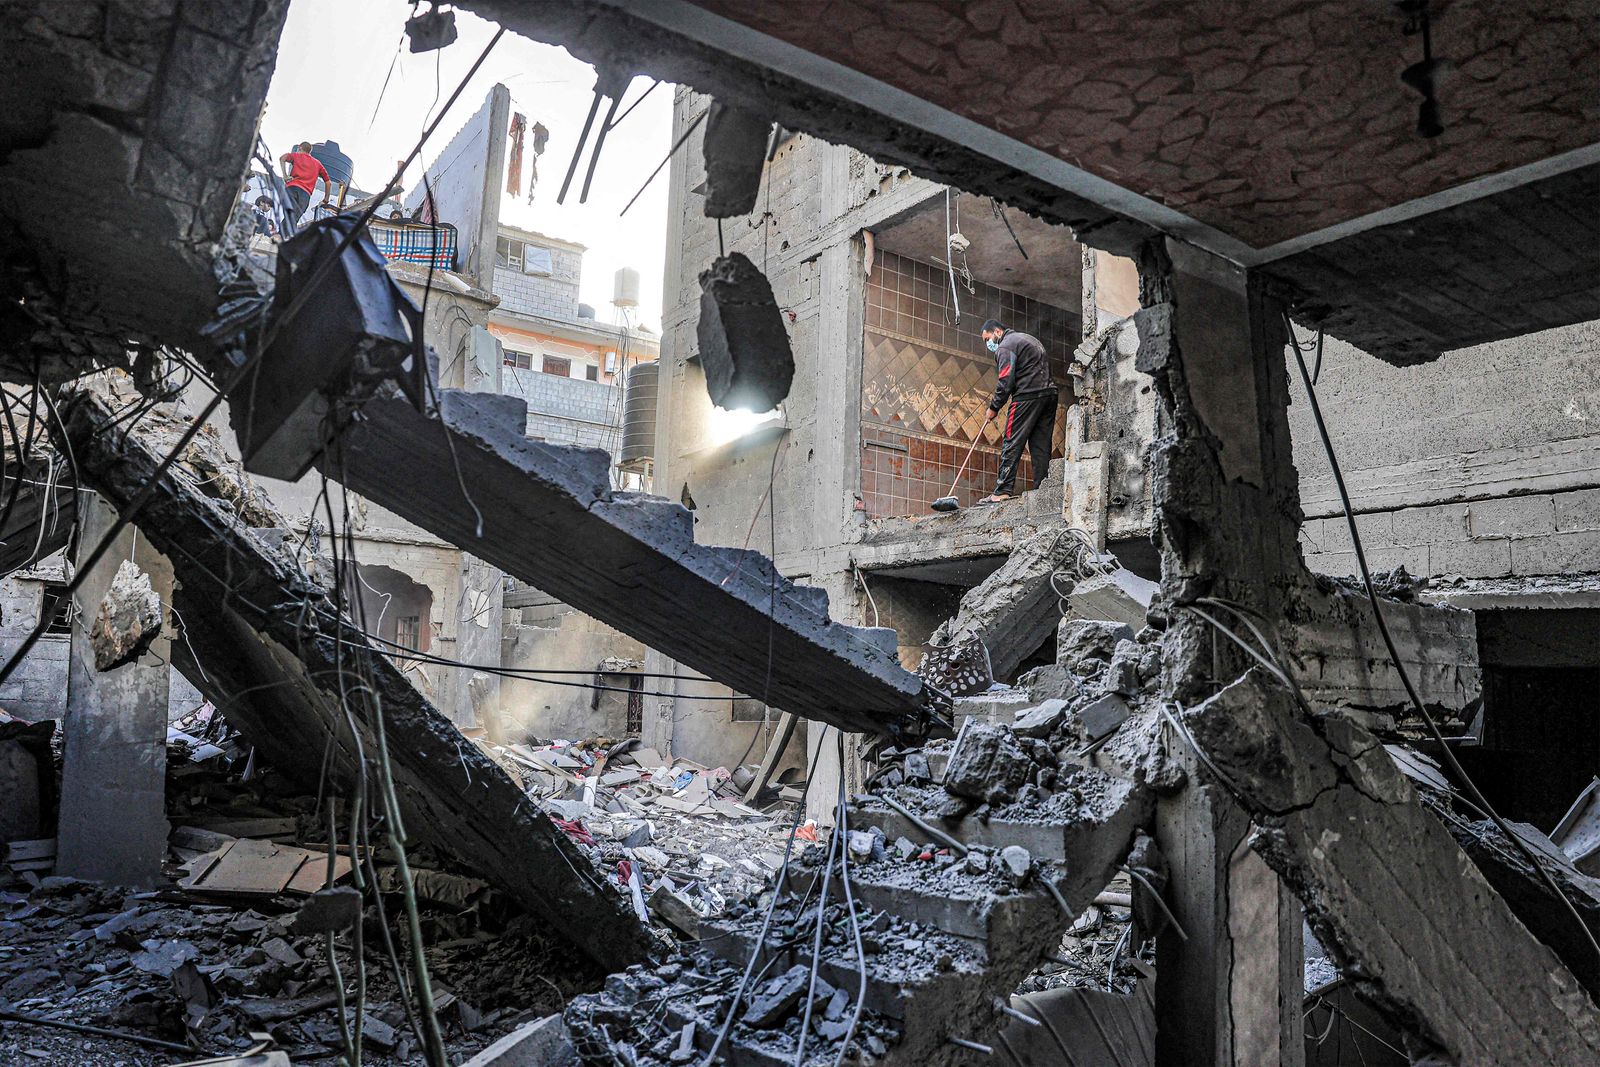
x,y
1017,861
1508,870
541,1043
1041,721
328,911
1578,832
1147,861
344,344
1102,716
744,344
1086,646
988,765
735,150
1014,610
230,588
1118,596
774,1001
643,573
128,620
1307,783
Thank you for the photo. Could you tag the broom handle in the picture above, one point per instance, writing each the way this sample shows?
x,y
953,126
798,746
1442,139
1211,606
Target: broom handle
x,y
964,462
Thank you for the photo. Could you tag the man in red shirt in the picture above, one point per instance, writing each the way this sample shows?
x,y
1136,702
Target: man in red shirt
x,y
304,170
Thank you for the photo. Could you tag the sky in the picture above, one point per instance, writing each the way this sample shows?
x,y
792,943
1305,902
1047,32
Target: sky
x,y
332,62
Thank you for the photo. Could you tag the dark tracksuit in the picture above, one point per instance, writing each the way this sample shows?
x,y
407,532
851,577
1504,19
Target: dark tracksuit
x,y
1024,379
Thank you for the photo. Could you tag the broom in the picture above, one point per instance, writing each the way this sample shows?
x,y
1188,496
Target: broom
x,y
950,503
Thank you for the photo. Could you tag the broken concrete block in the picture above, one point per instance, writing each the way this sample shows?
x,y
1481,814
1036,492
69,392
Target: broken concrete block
x,y
1014,609
541,1043
744,346
1103,716
1042,720
1120,596
328,910
1050,682
129,619
1085,646
987,765
735,151
777,1000
999,706
1018,862
1122,673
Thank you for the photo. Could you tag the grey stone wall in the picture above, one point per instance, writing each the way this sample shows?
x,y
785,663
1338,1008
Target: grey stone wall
x,y
1484,464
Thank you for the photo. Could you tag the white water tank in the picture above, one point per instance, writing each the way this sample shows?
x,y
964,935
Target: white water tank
x,y
625,292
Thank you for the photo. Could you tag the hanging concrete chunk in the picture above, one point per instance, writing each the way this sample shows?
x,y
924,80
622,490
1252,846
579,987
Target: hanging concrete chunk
x,y
129,619
744,348
1406,915
735,151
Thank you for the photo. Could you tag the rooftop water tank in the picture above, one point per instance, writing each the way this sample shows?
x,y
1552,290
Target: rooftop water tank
x,y
639,417
625,293
336,163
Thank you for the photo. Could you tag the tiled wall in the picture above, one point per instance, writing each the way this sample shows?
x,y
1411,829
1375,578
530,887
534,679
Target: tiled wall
x,y
567,411
927,381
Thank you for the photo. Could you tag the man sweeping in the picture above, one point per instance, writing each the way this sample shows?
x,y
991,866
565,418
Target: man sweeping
x,y
1024,379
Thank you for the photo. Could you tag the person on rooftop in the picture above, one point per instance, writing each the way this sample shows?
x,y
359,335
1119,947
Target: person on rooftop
x,y
1023,378
266,226
304,170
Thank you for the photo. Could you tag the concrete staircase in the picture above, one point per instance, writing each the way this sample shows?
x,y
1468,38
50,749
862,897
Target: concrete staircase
x,y
947,933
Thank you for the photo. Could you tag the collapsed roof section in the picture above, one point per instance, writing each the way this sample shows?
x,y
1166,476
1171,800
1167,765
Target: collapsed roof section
x,y
725,612
135,121
281,665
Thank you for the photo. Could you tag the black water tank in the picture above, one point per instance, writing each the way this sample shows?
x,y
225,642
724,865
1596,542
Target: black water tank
x,y
338,165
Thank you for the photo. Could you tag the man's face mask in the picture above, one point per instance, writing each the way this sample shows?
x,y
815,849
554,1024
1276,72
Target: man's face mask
x,y
992,345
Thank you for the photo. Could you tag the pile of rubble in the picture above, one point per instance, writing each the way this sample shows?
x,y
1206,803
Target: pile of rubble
x,y
230,953
656,826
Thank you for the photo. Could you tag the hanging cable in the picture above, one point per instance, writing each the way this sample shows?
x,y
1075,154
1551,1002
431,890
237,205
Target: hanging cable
x,y
1460,773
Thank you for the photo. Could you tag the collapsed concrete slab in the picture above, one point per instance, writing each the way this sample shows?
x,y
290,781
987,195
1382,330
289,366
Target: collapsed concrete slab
x,y
264,645
1404,912
712,609
1015,609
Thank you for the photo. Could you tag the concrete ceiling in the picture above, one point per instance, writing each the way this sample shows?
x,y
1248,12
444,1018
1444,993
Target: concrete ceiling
x,y
1263,122
1052,270
1276,136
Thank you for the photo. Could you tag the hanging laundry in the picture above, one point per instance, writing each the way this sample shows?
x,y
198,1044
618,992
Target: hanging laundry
x,y
541,137
519,125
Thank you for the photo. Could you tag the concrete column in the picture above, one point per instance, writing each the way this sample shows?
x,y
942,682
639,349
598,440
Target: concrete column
x,y
1227,521
113,825
480,610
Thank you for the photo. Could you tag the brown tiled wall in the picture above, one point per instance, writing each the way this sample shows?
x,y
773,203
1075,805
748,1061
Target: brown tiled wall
x,y
927,381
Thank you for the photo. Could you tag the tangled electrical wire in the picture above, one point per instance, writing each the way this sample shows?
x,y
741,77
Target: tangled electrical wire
x,y
1088,562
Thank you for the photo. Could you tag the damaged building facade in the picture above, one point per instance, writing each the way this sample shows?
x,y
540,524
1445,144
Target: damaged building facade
x,y
1260,732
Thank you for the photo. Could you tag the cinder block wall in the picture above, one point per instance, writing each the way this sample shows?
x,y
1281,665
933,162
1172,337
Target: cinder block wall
x,y
1483,464
552,295
568,411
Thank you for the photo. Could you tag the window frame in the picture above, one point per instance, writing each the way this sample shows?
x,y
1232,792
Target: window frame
x,y
564,361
